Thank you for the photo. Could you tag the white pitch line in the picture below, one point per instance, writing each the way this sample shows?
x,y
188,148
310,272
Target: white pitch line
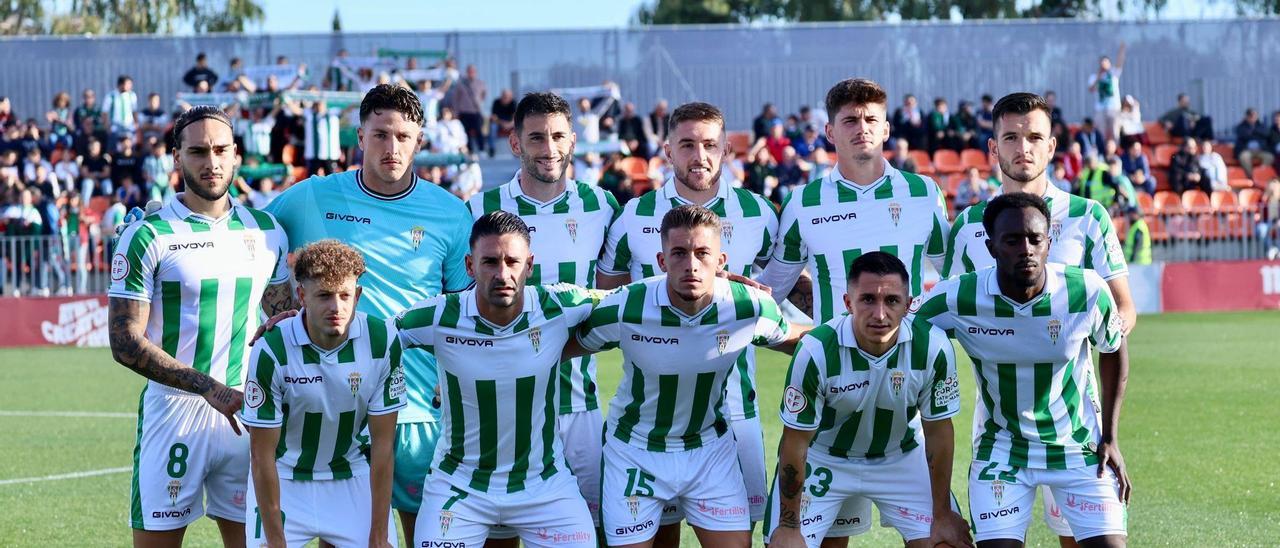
x,y
76,414
72,475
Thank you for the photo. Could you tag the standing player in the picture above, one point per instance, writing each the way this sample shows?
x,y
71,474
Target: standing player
x,y
498,347
314,381
408,234
567,224
186,283
863,204
681,335
1080,229
852,394
748,226
1028,327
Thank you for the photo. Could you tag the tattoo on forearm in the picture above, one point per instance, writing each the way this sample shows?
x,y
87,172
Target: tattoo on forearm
x,y
132,350
278,298
790,481
788,518
802,299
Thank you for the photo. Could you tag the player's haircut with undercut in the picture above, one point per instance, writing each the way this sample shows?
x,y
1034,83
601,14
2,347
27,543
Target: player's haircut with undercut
x,y
541,103
855,91
328,262
880,264
193,115
392,97
696,111
1011,201
1021,102
498,223
689,217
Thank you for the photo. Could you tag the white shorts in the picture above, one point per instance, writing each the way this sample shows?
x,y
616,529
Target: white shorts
x,y
335,511
899,486
581,435
185,449
705,483
1001,499
750,440
1053,515
549,513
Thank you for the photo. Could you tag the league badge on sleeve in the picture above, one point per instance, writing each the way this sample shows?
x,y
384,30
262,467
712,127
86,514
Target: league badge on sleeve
x,y
794,400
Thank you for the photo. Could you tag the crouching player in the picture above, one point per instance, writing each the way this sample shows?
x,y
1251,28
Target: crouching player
x,y
315,381
856,392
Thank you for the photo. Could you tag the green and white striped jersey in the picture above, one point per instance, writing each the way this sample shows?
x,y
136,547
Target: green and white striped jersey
x,y
497,384
321,400
321,135
121,108
864,406
831,221
566,236
675,366
1032,362
203,279
1080,233
748,226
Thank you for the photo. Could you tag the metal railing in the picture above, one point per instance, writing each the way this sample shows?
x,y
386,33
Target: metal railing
x,y
1225,235
53,265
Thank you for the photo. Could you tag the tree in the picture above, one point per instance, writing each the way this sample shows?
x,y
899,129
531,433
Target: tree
x,y
337,21
20,17
665,12
127,16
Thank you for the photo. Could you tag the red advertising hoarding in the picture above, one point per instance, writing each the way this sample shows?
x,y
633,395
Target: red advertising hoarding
x,y
70,321
1221,285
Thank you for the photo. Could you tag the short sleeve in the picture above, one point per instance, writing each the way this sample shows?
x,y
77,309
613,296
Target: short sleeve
x,y
390,396
936,249
1106,256
603,328
955,248
1107,324
616,258
577,302
771,327
283,207
770,231
934,306
940,396
133,266
802,401
790,246
278,241
416,326
263,394
455,266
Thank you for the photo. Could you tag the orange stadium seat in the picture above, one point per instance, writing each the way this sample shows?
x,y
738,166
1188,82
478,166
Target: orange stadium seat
x,y
1121,225
1168,202
1208,227
947,161
1263,175
1162,178
288,154
1196,201
1236,227
1249,199
1164,154
636,167
1228,153
1144,202
1223,200
1158,231
1156,133
656,163
740,143
924,165
1236,172
972,157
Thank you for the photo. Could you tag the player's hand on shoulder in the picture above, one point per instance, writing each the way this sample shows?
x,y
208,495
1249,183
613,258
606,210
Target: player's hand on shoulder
x,y
271,324
137,214
744,281
950,529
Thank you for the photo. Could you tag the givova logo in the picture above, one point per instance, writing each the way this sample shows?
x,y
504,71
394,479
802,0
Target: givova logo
x,y
171,514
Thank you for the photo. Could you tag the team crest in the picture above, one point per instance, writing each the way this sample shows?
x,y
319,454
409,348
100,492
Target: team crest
x,y
353,380
1055,230
446,519
895,381
251,245
535,338
895,212
633,504
726,231
804,504
1055,329
722,340
174,487
415,235
997,491
571,225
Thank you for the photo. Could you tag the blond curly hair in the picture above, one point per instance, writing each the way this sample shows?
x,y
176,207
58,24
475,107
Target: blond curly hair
x,y
329,262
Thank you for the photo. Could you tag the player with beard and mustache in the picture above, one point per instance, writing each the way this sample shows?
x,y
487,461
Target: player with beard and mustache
x,y
186,283
567,222
696,148
1080,229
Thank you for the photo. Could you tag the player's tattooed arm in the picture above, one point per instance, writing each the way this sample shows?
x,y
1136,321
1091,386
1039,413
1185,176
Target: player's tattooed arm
x,y
126,330
793,450
278,298
801,295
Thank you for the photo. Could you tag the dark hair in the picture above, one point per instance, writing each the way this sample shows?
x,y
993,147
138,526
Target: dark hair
x,y
122,79
391,97
694,112
857,91
1012,200
1021,102
201,57
938,101
986,97
497,223
1181,96
880,263
193,115
541,103
689,217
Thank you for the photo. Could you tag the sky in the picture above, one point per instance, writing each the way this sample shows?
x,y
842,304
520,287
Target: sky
x,y
444,15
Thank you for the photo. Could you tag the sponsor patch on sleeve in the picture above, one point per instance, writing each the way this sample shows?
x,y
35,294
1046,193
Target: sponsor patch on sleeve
x,y
397,383
946,391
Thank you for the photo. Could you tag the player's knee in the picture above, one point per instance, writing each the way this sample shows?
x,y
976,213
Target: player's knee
x,y
1105,541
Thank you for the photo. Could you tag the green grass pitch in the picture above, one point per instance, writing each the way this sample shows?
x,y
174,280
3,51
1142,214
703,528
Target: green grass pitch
x,y
1199,433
